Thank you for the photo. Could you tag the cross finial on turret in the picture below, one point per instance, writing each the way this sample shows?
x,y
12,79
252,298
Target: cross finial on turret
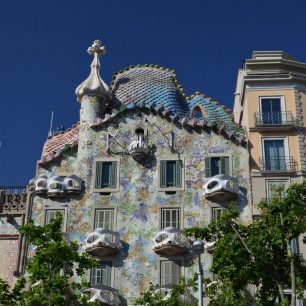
x,y
96,48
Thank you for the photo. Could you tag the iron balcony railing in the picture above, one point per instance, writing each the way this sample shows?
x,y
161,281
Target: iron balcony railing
x,y
284,163
274,118
18,189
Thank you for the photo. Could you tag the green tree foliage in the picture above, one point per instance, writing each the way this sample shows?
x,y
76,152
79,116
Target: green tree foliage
x,y
259,253
180,295
51,271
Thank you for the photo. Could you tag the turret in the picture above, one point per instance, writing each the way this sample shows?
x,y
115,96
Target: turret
x,y
93,94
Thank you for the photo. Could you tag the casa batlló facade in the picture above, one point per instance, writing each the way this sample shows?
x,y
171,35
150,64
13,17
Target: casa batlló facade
x,y
143,163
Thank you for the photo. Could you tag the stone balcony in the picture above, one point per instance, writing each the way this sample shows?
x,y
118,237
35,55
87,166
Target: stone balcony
x,y
221,188
170,242
103,242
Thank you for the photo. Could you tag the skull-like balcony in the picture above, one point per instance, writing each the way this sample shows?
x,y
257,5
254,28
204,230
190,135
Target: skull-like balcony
x,y
103,242
104,295
221,188
210,246
139,146
170,242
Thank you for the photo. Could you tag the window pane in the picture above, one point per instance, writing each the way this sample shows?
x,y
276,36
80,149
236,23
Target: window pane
x,y
215,166
271,111
274,155
104,218
106,173
101,275
169,272
51,214
170,217
216,213
171,171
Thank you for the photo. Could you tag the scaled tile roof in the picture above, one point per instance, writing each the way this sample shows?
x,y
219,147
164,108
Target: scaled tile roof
x,y
151,86
156,89
56,143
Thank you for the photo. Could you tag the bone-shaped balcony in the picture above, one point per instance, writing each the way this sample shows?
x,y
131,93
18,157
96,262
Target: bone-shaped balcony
x,y
170,241
221,188
104,295
139,147
103,242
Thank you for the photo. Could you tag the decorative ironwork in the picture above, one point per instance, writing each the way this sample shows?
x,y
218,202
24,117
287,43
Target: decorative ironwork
x,y
274,118
284,163
14,202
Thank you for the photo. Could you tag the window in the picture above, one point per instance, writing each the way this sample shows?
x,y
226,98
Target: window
x,y
271,110
51,214
170,272
216,212
216,165
288,293
171,173
295,245
197,113
274,155
104,218
106,175
170,217
274,187
101,275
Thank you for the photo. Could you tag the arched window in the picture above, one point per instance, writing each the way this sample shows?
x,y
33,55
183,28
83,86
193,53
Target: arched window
x,y
139,132
197,113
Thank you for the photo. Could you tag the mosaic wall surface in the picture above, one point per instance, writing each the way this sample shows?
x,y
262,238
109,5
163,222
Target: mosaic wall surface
x,y
9,249
139,200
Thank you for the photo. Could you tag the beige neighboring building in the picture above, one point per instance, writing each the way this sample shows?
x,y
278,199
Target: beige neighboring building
x,y
270,103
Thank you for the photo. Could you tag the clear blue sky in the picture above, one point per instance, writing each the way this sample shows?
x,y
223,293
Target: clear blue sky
x,y
43,55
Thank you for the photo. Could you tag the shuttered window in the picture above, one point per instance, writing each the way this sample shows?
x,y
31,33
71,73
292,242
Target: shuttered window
x,y
51,214
170,217
104,218
106,174
216,165
170,272
170,173
101,275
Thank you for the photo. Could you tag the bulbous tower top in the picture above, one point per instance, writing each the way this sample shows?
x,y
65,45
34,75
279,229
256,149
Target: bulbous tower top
x,y
94,85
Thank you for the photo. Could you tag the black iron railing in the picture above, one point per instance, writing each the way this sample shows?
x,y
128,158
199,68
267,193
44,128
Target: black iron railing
x,y
18,189
274,118
285,163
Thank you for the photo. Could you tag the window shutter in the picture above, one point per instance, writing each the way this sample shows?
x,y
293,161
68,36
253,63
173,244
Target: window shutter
x,y
163,173
113,175
207,167
294,245
98,183
178,173
224,165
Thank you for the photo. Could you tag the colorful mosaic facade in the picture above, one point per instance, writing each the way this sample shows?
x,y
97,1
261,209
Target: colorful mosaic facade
x,y
147,98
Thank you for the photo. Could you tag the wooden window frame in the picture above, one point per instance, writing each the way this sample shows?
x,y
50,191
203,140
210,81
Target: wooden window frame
x,y
96,209
182,170
107,189
218,155
172,259
171,208
57,208
111,272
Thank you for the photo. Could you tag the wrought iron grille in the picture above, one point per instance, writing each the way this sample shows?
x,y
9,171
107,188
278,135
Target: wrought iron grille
x,y
18,189
274,118
285,163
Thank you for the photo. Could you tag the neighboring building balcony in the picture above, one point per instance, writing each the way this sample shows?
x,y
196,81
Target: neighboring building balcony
x,y
274,121
103,242
103,295
278,165
164,293
221,188
170,242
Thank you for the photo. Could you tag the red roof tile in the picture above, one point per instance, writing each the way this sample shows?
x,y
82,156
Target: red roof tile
x,y
55,144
